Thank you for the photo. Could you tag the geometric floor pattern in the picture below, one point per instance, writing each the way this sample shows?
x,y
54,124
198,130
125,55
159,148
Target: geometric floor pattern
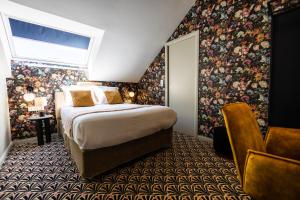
x,y
188,170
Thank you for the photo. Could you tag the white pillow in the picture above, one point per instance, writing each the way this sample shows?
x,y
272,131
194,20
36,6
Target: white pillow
x,y
99,92
68,96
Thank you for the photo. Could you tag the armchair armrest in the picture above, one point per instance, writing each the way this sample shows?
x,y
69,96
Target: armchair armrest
x,y
271,177
283,142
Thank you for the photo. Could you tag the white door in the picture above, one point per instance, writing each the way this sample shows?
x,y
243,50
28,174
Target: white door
x,y
182,81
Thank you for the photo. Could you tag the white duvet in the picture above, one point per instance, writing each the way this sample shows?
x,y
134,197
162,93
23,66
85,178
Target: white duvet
x,y
108,125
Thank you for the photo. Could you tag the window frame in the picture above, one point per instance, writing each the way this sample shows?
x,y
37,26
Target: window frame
x,y
14,56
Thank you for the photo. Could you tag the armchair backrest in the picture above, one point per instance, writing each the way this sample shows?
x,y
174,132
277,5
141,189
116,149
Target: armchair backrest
x,y
243,132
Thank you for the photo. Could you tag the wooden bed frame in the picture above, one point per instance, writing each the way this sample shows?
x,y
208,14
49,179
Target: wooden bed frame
x,y
94,162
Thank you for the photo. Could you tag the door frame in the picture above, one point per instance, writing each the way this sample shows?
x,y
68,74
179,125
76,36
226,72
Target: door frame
x,y
167,45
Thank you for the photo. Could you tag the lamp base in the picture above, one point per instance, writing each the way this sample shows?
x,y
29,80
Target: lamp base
x,y
42,114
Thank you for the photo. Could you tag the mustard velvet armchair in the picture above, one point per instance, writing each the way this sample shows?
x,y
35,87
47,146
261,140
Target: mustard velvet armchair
x,y
267,169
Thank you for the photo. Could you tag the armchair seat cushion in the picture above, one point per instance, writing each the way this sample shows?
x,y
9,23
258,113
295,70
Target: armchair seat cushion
x,y
271,177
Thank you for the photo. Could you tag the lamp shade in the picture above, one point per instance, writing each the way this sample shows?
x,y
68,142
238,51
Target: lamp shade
x,y
40,102
131,94
29,97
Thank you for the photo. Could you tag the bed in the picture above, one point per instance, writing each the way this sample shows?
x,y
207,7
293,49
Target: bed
x,y
102,137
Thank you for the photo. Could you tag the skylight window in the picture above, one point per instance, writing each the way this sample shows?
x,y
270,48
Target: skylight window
x,y
41,43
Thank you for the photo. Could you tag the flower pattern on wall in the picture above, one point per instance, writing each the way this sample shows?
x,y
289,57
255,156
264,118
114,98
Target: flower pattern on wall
x,y
149,89
46,81
234,59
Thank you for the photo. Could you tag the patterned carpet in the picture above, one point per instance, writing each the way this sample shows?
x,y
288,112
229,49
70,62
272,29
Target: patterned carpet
x,y
188,170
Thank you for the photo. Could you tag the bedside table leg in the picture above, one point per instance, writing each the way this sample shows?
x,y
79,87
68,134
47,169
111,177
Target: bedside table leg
x,y
39,128
47,130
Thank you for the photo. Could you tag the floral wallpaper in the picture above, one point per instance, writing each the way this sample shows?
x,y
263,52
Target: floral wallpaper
x,y
149,89
45,80
278,5
234,53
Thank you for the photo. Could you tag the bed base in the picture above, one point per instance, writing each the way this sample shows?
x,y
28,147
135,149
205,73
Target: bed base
x,y
97,161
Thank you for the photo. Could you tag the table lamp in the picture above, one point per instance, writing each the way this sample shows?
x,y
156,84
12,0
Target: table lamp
x,y
40,103
131,94
29,96
131,97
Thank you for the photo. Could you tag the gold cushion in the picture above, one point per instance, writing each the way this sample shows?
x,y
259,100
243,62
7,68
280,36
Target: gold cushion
x,y
82,98
270,177
284,142
113,97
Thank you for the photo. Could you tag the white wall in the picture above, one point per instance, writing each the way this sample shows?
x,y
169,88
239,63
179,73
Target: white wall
x,y
4,117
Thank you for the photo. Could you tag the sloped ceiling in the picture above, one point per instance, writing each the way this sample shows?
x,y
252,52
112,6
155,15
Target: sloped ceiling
x,y
135,30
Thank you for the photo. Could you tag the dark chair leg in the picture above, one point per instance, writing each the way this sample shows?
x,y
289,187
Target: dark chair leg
x,y
47,130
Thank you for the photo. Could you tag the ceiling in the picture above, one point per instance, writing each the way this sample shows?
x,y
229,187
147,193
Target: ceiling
x,y
135,31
